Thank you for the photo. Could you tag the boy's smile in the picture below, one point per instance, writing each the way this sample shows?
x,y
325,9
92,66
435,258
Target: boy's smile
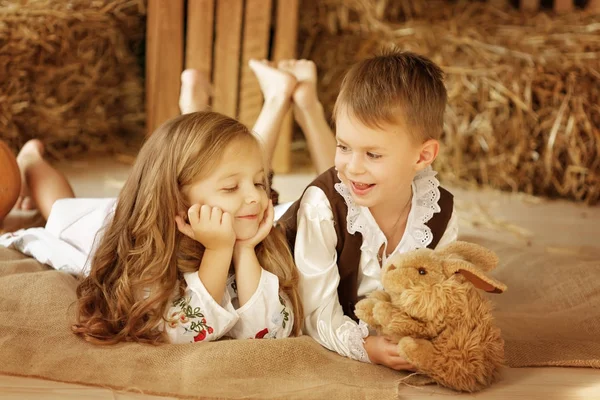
x,y
377,164
361,189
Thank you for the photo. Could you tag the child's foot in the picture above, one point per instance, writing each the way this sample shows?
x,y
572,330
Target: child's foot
x,y
305,72
31,152
275,84
195,91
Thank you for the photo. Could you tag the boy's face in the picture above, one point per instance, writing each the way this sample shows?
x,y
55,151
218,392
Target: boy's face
x,y
377,165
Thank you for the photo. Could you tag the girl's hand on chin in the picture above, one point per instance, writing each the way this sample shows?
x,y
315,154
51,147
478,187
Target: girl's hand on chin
x,y
263,230
208,225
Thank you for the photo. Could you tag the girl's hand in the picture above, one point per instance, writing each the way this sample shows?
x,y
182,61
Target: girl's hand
x,y
263,230
381,351
209,226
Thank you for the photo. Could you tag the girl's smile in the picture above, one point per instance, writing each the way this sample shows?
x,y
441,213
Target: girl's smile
x,y
238,188
249,216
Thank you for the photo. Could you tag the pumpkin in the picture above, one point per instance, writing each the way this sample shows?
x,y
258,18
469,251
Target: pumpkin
x,y
10,180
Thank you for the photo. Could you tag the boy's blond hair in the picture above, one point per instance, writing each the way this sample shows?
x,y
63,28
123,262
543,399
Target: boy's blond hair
x,y
396,87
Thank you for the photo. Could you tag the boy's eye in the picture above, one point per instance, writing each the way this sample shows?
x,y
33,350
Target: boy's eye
x,y
261,185
373,155
230,189
342,147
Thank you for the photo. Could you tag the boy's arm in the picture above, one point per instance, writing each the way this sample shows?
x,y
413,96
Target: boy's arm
x,y
316,258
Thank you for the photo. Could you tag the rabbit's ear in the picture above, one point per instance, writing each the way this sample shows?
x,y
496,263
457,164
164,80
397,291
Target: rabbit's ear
x,y
475,254
473,274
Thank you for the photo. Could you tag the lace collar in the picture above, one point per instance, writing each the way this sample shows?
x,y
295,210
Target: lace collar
x,y
417,235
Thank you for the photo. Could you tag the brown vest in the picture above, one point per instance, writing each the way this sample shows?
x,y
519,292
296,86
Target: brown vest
x,y
348,246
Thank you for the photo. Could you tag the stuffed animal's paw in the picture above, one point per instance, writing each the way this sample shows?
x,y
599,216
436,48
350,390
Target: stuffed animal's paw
x,y
364,311
406,346
380,295
418,352
383,313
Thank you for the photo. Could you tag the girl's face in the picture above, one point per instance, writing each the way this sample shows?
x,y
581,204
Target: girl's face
x,y
377,165
236,185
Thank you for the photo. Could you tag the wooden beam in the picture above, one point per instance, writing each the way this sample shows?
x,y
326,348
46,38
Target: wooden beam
x,y
593,6
164,60
227,56
530,5
199,37
564,6
257,31
285,47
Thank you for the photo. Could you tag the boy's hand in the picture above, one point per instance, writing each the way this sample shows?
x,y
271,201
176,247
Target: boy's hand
x,y
263,230
382,351
210,226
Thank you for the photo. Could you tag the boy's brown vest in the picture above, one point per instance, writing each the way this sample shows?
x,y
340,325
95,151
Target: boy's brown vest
x,y
348,246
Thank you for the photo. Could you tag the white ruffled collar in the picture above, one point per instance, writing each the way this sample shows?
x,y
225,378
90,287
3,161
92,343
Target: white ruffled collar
x,y
426,195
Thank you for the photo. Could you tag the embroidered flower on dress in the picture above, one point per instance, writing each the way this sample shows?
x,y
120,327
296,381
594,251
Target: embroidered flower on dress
x,y
191,319
261,334
284,314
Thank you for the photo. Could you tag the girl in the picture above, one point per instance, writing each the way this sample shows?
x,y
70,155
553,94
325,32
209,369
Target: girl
x,y
186,253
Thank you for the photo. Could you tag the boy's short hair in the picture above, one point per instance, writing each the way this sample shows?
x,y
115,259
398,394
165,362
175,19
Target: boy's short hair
x,y
393,87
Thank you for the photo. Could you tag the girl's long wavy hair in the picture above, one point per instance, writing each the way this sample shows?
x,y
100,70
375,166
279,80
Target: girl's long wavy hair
x,y
140,259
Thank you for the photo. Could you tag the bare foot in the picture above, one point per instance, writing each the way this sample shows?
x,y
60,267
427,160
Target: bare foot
x,y
275,84
31,152
305,72
195,91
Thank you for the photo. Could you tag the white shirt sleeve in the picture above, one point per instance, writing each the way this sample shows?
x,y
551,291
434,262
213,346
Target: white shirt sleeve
x,y
267,314
451,233
316,258
197,316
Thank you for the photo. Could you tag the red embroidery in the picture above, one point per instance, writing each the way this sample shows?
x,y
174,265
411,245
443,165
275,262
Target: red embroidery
x,y
261,334
201,336
193,316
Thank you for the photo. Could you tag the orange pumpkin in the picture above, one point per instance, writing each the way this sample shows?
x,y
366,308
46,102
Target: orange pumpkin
x,y
10,180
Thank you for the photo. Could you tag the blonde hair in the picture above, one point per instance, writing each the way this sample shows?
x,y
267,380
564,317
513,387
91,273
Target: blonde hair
x,y
394,87
142,248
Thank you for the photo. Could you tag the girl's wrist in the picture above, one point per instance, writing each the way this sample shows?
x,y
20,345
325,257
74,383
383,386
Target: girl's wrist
x,y
218,256
242,249
242,252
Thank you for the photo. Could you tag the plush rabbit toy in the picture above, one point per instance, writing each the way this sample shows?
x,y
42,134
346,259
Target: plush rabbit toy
x,y
443,325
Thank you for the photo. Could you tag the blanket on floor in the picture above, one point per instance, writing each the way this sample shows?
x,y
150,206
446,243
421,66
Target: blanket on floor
x,y
548,316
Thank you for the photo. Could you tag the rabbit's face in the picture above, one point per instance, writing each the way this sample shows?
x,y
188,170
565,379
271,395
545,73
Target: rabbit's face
x,y
419,269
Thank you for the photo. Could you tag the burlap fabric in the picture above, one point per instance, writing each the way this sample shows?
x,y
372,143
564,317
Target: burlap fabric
x,y
549,316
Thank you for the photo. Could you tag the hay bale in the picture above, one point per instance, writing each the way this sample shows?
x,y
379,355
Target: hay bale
x,y
524,90
69,74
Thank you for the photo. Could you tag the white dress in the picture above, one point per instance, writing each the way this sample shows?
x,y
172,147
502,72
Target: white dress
x,y
316,258
68,240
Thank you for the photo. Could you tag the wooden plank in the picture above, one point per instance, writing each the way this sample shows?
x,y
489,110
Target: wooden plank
x,y
563,6
227,56
530,5
285,47
199,37
164,60
593,6
257,31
